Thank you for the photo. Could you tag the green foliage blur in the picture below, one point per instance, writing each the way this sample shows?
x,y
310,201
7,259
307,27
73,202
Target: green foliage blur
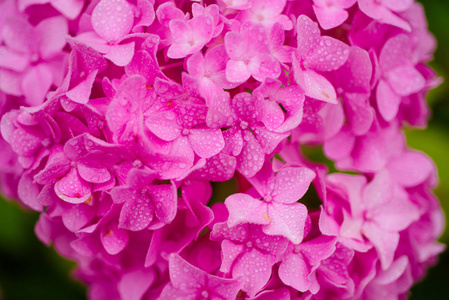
x,y
31,271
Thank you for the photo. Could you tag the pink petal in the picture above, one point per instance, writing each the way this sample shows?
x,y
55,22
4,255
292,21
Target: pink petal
x,y
77,216
144,64
405,80
206,142
164,125
330,55
330,17
294,272
215,59
396,52
357,72
134,284
95,41
287,220
385,242
220,113
28,192
381,13
57,166
387,101
252,157
396,270
170,292
147,14
10,82
335,268
235,45
167,12
226,288
93,171
398,214
237,71
69,8
230,252
75,148
183,275
121,54
246,265
219,167
273,246
279,294
13,60
268,140
121,194
53,32
112,19
340,145
164,197
195,65
315,85
398,5
245,209
202,28
291,183
271,114
19,35
308,35
411,168
318,249
239,233
233,141
136,213
359,112
24,143
81,92
72,188
379,191
114,239
35,93
262,66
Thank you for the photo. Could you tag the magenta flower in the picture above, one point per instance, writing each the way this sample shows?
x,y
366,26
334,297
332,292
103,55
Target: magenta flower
x,y
70,8
248,253
112,20
272,99
378,210
248,140
249,55
298,268
190,36
146,204
31,54
266,13
209,71
315,54
124,122
385,11
189,282
331,13
399,76
278,212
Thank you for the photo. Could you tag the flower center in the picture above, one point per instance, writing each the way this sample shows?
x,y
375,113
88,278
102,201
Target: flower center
x,y
268,198
185,132
243,125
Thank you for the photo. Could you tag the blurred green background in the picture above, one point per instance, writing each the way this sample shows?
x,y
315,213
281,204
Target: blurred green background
x,y
30,270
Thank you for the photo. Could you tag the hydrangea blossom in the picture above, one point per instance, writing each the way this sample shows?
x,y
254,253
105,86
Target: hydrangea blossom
x,y
161,143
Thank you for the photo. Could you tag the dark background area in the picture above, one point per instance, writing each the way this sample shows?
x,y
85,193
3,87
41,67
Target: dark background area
x,y
30,270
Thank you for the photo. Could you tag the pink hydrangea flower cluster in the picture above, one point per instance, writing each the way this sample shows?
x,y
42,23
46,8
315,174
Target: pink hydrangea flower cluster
x,y
121,118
